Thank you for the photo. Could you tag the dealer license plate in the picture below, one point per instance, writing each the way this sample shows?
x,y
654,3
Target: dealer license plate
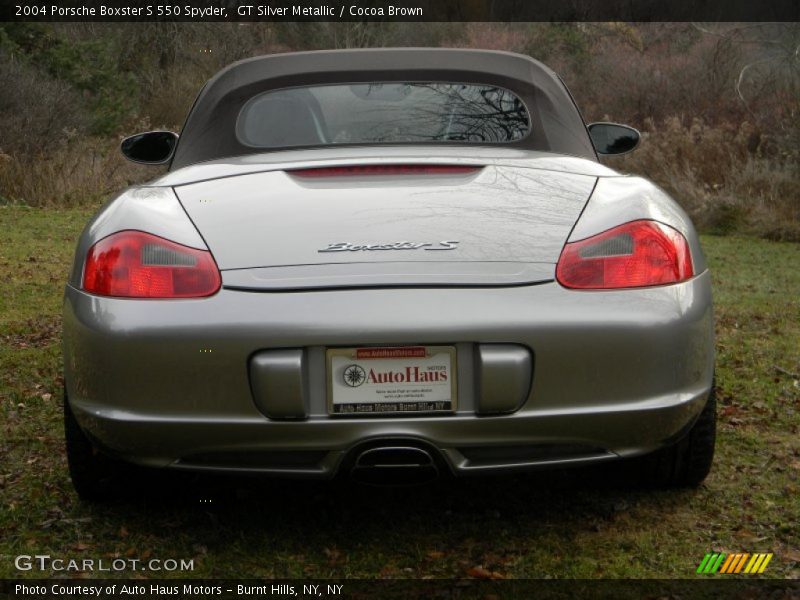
x,y
387,380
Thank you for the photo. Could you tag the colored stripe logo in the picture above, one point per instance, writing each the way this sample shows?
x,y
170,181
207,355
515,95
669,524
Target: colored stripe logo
x,y
728,564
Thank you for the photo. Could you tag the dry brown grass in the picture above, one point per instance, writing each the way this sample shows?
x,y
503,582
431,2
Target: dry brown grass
x,y
80,171
733,169
729,178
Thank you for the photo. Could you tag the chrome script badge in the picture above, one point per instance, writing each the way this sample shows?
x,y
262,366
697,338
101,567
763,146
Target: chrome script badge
x,y
348,247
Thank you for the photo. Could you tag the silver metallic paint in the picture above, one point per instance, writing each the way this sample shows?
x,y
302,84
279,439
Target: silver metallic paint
x,y
279,380
617,370
502,377
166,382
497,214
383,274
393,155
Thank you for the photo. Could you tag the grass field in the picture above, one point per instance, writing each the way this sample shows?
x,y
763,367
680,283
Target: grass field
x,y
545,526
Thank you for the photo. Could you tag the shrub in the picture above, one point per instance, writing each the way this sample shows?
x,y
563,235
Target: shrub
x,y
36,108
732,164
726,181
90,66
76,171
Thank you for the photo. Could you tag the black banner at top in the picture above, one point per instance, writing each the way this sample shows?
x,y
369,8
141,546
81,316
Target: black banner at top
x,y
400,10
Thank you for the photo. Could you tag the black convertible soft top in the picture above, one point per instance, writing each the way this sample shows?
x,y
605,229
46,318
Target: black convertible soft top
x,y
210,129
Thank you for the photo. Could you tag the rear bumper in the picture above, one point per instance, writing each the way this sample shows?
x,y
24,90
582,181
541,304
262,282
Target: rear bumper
x,y
166,383
470,444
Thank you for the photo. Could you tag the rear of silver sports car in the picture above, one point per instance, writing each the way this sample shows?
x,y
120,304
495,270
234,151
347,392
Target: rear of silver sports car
x,y
432,314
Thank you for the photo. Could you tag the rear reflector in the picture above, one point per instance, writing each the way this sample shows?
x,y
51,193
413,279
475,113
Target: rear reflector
x,y
372,170
636,254
134,264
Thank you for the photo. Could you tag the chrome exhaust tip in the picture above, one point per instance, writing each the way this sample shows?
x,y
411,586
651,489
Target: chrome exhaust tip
x,y
394,465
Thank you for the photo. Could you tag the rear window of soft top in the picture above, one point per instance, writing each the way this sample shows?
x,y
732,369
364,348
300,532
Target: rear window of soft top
x,y
388,113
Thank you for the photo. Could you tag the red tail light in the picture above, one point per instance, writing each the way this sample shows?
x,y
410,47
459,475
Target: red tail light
x,y
134,264
636,254
353,171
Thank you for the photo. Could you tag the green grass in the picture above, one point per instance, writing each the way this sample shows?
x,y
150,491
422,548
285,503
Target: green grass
x,y
534,527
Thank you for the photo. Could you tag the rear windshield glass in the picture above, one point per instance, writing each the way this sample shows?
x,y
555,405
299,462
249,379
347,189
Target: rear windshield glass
x,y
382,113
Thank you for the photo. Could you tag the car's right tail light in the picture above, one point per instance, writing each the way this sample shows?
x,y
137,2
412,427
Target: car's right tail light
x,y
134,264
637,254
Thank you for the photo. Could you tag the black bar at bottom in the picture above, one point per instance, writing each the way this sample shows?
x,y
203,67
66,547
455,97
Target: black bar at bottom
x,y
729,587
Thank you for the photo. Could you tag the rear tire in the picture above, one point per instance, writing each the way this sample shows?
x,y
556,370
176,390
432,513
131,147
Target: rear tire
x,y
95,476
687,462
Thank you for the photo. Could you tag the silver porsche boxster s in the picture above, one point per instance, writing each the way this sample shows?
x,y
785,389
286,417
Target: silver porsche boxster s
x,y
388,264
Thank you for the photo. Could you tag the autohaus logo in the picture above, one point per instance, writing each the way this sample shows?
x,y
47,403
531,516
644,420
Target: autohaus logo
x,y
354,375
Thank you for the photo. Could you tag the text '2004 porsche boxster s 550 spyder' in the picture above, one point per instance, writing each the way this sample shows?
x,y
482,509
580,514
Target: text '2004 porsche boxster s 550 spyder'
x,y
388,261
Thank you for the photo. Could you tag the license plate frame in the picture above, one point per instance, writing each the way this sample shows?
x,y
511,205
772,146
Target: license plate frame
x,y
432,396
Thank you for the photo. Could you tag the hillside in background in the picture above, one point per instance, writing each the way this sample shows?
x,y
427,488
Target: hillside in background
x,y
718,104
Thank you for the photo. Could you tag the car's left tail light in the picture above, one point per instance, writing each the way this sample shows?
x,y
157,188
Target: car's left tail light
x,y
637,254
134,264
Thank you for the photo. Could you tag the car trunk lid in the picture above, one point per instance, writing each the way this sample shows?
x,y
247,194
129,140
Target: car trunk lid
x,y
387,225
